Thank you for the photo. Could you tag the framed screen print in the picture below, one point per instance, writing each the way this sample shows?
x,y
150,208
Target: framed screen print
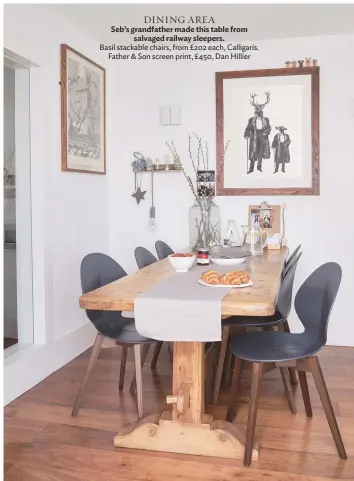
x,y
271,120
83,113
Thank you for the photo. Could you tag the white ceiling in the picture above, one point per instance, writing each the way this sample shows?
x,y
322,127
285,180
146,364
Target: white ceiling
x,y
264,21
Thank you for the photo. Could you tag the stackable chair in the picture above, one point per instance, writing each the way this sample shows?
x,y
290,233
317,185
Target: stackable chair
x,y
98,270
279,318
163,250
267,350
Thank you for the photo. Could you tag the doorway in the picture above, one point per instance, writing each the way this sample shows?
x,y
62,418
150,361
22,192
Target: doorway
x,y
18,296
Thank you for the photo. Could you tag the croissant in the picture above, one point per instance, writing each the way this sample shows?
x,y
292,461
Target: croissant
x,y
211,277
234,278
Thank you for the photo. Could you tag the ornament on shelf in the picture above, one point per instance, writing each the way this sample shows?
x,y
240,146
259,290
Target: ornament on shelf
x,y
314,63
139,165
308,62
301,63
287,64
293,63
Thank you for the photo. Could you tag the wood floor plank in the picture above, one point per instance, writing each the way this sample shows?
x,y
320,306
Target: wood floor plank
x,y
135,465
44,443
92,418
47,474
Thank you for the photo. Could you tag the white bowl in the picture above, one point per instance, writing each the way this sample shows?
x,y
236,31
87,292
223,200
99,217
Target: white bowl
x,y
181,264
227,262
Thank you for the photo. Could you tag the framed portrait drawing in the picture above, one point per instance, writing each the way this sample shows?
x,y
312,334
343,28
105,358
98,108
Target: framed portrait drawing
x,y
267,219
271,120
83,113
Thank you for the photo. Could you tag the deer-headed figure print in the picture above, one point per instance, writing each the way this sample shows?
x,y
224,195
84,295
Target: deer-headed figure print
x,y
257,134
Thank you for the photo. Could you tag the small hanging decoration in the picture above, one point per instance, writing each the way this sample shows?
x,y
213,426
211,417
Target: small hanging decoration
x,y
205,183
139,165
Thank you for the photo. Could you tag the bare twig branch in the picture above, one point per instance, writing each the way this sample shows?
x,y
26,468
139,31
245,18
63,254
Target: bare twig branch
x,y
190,154
200,150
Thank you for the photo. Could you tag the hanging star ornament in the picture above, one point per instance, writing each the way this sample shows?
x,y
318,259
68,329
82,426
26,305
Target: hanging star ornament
x,y
139,195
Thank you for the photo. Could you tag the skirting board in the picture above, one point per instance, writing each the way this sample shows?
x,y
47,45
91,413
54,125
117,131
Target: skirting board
x,y
28,367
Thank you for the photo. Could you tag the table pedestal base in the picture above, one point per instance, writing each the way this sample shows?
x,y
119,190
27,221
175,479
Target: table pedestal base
x,y
209,438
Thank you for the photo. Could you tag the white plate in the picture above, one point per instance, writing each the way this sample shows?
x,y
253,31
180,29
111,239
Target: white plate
x,y
227,262
249,284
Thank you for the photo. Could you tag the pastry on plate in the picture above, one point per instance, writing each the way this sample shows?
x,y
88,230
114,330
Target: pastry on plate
x,y
211,277
234,278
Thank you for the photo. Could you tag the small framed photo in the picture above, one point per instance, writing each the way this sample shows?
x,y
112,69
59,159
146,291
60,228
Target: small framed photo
x,y
83,113
206,176
267,219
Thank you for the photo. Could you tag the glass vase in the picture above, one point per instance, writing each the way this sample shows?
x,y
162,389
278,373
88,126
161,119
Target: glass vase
x,y
204,224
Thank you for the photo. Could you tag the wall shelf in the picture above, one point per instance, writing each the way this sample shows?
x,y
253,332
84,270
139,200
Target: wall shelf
x,y
163,168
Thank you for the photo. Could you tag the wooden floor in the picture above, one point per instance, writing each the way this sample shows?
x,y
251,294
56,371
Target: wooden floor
x,y
43,443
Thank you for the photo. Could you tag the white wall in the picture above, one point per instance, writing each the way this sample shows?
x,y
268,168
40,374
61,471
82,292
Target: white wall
x,y
321,224
70,210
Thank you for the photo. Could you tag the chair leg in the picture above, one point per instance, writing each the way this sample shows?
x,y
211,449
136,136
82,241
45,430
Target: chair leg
x,y
138,375
252,412
226,374
123,362
288,392
223,348
155,356
235,383
292,370
94,355
317,374
170,350
144,353
305,393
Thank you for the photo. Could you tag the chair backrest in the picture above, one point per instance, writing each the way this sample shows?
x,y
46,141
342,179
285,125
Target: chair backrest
x,y
144,257
315,298
162,249
289,261
286,289
98,270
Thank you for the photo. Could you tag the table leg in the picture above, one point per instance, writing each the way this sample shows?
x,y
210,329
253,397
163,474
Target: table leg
x,y
187,429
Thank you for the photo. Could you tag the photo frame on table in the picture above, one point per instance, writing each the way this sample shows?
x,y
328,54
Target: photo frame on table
x,y
267,219
83,113
271,120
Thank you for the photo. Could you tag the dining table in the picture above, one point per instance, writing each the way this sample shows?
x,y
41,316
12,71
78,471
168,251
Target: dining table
x,y
192,426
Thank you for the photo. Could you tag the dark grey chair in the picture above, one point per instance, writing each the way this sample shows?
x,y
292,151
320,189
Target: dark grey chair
x,y
267,350
98,270
144,257
279,318
163,250
290,260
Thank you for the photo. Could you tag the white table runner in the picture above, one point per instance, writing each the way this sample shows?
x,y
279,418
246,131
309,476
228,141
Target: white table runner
x,y
180,309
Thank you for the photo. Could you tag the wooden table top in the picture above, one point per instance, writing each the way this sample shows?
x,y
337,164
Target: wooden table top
x,y
258,300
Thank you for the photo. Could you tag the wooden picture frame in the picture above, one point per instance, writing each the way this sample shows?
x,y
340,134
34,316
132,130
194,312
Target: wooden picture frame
x,y
234,92
274,218
83,113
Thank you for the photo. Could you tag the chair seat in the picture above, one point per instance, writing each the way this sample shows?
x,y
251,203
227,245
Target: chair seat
x,y
254,321
115,326
273,346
